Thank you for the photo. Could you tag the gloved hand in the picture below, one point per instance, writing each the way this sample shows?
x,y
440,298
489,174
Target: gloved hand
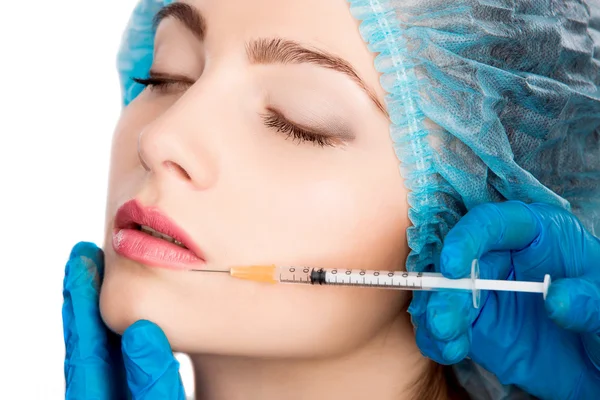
x,y
98,363
550,349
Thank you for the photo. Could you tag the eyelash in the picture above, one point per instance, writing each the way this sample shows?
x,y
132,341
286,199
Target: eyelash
x,y
160,84
272,119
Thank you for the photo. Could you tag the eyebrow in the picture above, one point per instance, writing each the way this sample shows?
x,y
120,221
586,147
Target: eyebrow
x,y
271,50
184,13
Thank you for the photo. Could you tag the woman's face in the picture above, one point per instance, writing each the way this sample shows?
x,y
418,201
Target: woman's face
x,y
263,152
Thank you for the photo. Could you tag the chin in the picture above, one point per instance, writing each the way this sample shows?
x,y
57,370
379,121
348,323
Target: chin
x,y
129,295
122,301
119,310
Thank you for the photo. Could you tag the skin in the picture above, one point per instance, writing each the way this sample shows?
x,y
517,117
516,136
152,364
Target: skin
x,y
247,194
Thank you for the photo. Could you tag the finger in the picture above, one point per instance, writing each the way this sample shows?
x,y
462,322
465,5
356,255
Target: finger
x,y
152,370
427,345
488,227
574,304
563,249
456,350
449,315
445,353
87,362
448,351
418,304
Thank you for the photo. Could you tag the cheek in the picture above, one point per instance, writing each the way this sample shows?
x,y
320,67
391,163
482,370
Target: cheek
x,y
358,222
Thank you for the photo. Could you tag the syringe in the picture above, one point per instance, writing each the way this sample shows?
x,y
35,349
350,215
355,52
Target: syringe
x,y
399,280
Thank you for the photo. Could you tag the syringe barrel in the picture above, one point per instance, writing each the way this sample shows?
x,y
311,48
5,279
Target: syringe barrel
x,y
440,283
401,280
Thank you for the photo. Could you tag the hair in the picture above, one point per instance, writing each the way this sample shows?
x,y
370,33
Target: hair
x,y
438,382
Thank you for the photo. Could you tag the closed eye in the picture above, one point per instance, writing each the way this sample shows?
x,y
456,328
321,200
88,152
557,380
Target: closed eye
x,y
165,83
275,120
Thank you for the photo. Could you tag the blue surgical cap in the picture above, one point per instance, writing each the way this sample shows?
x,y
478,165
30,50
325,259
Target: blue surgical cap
x,y
489,100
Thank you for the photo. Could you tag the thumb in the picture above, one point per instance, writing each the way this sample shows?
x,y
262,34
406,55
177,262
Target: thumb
x,y
152,370
574,304
90,353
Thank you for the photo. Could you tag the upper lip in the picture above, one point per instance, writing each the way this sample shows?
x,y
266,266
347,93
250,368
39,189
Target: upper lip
x,y
132,214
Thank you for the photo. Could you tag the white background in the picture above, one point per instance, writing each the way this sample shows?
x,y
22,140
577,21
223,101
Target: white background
x,y
59,103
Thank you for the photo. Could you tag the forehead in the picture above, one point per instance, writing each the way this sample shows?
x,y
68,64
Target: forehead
x,y
300,17
326,24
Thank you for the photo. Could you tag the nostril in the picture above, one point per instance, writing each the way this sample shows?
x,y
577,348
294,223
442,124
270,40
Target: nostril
x,y
171,166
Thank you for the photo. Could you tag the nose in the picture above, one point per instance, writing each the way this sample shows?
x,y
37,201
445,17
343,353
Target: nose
x,y
172,151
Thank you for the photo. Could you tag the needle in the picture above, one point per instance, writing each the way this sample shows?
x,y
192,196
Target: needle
x,y
208,270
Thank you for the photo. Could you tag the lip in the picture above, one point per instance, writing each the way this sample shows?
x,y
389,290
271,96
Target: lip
x,y
130,242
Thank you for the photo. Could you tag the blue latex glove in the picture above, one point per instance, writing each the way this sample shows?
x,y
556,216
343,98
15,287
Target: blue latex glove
x,y
98,363
550,349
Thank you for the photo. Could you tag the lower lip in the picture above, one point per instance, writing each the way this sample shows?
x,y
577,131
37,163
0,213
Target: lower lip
x,y
153,252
